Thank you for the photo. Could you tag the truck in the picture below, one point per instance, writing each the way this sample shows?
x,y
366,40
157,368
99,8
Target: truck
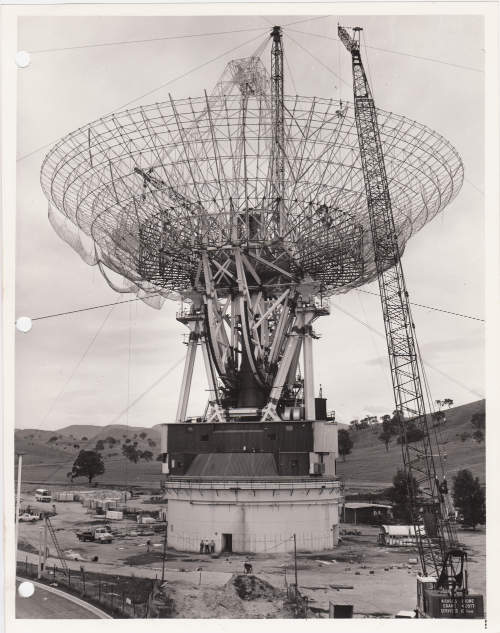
x,y
99,534
43,495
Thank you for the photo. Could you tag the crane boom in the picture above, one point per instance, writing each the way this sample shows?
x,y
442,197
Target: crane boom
x,y
427,497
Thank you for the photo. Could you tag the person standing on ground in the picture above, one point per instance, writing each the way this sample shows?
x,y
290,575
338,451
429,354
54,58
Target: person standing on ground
x,y
212,546
202,546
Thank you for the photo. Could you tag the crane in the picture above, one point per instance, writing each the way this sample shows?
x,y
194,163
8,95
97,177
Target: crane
x,y
442,590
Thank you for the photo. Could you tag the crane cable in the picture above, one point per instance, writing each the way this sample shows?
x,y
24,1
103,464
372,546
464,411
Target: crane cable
x,y
439,371
386,50
153,90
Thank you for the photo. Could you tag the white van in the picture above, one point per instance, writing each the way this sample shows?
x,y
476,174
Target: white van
x,y
43,495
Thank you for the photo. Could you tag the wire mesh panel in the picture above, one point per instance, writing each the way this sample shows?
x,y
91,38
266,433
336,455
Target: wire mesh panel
x,y
144,191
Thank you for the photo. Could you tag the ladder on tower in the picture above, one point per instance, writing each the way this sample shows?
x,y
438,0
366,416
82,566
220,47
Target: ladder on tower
x,y
59,551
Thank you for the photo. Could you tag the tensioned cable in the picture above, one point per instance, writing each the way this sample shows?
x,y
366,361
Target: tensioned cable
x,y
82,358
164,85
319,61
386,50
165,38
420,305
427,364
105,305
145,393
144,41
125,411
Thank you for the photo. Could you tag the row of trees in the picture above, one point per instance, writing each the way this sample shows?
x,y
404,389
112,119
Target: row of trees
x,y
370,421
468,497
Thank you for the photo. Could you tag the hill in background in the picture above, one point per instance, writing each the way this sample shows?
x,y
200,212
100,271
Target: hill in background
x,y
370,465
49,455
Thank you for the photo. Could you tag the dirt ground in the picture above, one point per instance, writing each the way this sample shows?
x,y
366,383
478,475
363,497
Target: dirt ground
x,y
378,581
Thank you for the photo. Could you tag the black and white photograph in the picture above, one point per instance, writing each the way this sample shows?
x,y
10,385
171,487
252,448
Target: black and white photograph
x,y
248,315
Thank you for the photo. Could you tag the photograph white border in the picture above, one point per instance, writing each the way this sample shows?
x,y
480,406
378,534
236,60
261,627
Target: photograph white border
x,y
8,40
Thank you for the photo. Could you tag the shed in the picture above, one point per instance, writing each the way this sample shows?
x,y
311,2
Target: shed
x,y
363,512
399,535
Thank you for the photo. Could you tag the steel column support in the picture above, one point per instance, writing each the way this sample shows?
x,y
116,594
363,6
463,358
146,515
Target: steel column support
x,y
187,376
294,338
212,386
309,402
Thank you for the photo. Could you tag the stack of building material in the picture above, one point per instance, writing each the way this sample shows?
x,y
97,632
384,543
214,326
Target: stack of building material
x,y
62,496
114,515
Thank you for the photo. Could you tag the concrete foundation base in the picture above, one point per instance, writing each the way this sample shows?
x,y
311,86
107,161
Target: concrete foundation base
x,y
254,515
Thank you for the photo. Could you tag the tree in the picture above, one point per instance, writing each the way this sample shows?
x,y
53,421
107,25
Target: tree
x,y
413,433
143,435
478,421
147,456
131,453
469,498
399,496
448,402
87,464
345,443
99,445
386,435
439,418
478,435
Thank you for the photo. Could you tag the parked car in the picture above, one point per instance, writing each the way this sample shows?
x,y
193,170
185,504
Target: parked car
x,y
26,516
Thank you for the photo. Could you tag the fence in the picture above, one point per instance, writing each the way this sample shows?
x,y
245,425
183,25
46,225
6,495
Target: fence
x,y
120,596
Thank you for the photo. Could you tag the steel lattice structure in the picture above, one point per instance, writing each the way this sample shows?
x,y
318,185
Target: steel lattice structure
x,y
250,204
439,537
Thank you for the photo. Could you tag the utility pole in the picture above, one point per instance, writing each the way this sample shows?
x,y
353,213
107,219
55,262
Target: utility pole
x,y
40,545
45,529
18,495
164,554
295,559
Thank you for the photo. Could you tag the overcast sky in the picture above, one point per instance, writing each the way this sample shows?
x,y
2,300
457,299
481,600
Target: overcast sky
x,y
87,367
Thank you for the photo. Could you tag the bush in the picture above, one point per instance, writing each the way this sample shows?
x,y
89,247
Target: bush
x,y
469,498
399,496
413,434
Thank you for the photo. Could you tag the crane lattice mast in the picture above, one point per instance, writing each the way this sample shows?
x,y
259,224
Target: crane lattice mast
x,y
278,121
405,363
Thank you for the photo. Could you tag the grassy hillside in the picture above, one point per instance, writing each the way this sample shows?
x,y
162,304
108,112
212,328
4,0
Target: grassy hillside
x,y
49,455
369,463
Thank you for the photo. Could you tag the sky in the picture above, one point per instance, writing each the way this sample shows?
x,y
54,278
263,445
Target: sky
x,y
93,367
